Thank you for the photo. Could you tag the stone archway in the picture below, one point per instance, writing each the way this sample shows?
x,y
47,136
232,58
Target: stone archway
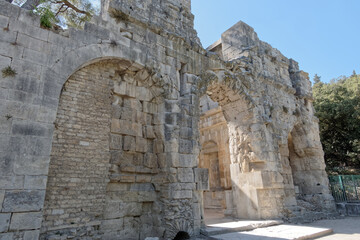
x,y
104,155
246,161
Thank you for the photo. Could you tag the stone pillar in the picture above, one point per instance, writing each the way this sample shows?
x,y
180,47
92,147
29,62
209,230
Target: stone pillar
x,y
257,185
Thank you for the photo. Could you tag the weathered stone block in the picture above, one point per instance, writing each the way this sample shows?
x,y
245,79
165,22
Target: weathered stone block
x,y
29,17
98,31
141,145
182,194
35,56
84,37
31,165
186,146
27,128
171,118
6,164
9,50
35,182
143,178
4,222
2,194
129,143
150,160
32,43
147,187
4,62
150,107
171,132
147,196
127,113
159,119
6,236
196,211
171,145
32,235
3,95
126,127
149,132
186,133
143,94
112,224
159,131
27,84
186,161
185,174
130,209
31,146
24,221
202,178
7,9
20,201
11,182
115,142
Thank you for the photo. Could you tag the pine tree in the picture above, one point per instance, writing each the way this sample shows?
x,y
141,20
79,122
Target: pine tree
x,y
316,79
354,73
64,13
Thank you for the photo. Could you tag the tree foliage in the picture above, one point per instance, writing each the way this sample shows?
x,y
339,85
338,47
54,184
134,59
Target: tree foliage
x,y
316,79
64,13
337,106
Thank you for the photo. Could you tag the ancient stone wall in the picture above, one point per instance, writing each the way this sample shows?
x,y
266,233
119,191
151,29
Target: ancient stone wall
x,y
99,128
80,153
275,102
44,61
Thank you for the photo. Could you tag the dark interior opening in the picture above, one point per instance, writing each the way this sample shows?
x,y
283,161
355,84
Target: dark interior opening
x,y
182,236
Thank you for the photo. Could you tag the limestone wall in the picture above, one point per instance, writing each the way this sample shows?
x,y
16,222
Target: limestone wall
x,y
44,61
274,102
102,120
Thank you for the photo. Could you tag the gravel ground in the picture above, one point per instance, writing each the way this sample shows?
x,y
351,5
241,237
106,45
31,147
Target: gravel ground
x,y
344,229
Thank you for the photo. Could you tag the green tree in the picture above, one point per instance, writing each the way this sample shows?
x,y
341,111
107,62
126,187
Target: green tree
x,y
354,73
316,79
337,106
64,13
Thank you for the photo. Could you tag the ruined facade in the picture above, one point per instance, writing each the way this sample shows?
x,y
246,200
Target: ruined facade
x,y
103,134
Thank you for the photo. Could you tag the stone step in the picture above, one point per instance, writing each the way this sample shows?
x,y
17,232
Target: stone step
x,y
237,226
279,232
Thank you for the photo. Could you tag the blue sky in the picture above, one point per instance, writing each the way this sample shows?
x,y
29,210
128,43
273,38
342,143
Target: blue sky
x,y
322,35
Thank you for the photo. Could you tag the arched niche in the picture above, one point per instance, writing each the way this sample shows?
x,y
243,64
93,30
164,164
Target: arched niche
x,y
308,168
104,157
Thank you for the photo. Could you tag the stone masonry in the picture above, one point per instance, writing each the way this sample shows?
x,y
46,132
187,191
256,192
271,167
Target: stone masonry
x,y
103,133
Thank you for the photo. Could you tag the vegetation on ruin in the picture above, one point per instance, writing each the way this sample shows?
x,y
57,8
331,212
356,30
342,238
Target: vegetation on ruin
x,y
337,106
63,13
47,17
8,72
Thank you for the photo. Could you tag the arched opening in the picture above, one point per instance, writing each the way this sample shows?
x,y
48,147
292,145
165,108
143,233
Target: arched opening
x,y
215,156
256,185
303,171
105,155
181,235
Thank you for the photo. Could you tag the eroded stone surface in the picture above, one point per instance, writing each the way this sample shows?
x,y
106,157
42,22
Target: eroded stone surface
x,y
104,124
